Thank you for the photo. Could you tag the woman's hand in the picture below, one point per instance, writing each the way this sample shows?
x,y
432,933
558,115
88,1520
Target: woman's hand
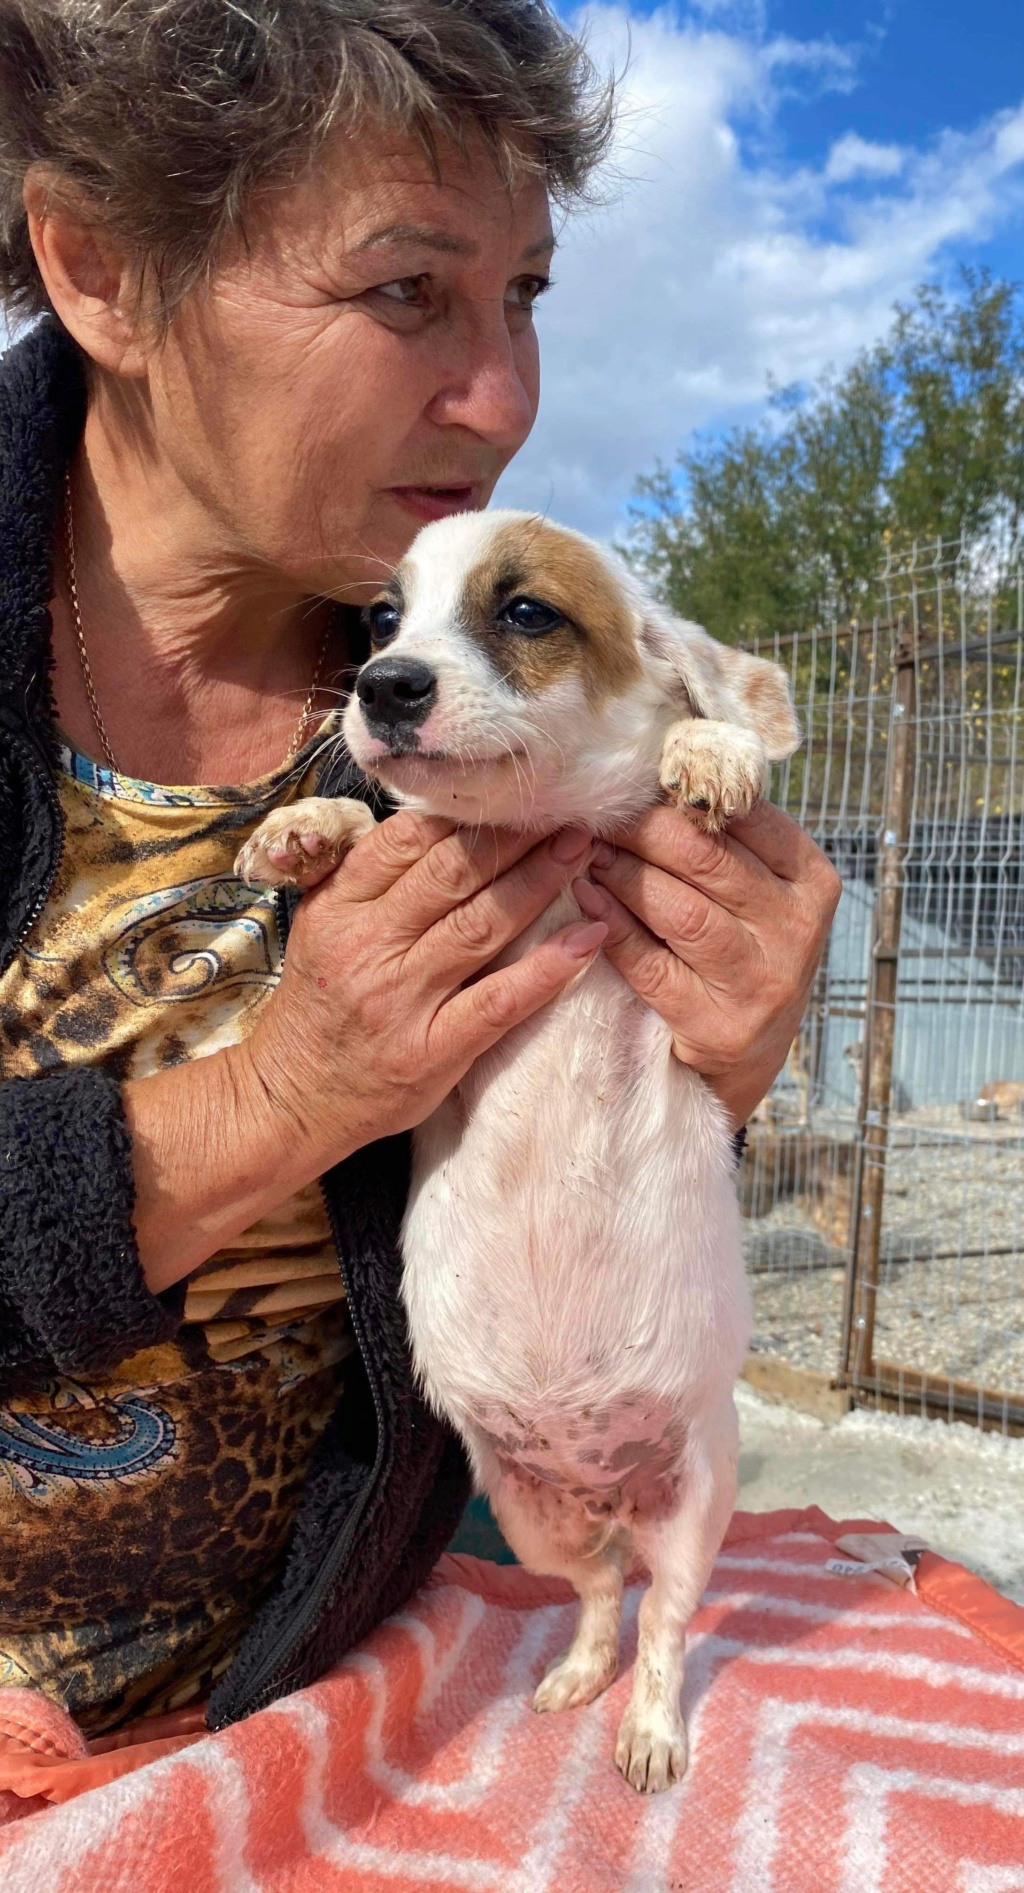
x,y
373,1021
721,935
383,1003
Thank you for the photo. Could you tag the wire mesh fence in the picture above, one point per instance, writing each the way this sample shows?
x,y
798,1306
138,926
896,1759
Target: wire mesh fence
x,y
884,1192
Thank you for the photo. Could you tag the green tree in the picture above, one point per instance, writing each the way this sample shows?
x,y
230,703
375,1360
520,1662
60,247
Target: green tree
x,y
776,526
958,374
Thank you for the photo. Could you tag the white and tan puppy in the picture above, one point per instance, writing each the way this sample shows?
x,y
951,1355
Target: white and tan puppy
x,y
572,1266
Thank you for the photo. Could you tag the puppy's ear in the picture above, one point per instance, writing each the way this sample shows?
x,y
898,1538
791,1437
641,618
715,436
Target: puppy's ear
x,y
762,688
716,681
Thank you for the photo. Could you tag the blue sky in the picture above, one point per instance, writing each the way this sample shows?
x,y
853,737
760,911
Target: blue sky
x,y
785,172
919,67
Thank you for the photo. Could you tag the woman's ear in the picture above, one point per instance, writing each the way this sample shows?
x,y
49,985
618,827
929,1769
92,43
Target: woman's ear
x,y
725,685
91,285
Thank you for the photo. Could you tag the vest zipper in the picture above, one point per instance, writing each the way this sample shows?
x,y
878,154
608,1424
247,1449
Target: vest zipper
x,y
260,1690
28,747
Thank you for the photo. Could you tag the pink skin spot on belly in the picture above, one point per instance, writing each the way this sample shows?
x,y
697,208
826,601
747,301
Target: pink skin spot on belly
x,y
322,983
623,1462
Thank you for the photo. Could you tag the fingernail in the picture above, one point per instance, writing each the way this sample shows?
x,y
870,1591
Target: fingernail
x,y
583,940
591,899
570,844
603,855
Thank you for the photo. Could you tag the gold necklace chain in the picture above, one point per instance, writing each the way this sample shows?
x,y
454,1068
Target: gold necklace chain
x,y
90,688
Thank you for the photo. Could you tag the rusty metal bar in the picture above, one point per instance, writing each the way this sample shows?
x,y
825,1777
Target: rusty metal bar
x,y
906,1389
951,648
813,1025
873,1111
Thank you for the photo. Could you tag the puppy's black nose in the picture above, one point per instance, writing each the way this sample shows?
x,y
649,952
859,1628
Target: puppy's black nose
x,y
396,690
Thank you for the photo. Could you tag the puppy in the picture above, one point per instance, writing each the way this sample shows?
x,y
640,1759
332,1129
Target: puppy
x,y
572,1267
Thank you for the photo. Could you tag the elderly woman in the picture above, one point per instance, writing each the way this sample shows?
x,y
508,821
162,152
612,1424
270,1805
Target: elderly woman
x,y
286,258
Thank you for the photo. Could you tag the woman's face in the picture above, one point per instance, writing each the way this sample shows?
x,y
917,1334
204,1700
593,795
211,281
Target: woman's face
x,y
369,362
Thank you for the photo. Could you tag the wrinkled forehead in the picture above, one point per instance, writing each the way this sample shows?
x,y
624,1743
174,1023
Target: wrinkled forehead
x,y
461,575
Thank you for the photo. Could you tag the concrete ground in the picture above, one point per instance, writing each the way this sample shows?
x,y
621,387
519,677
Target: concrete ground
x,y
959,1489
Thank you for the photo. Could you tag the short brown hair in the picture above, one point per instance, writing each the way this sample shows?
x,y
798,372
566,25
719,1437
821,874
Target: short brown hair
x,y
167,115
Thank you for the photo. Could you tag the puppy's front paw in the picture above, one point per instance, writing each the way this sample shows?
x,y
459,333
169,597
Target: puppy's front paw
x,y
297,846
713,770
651,1750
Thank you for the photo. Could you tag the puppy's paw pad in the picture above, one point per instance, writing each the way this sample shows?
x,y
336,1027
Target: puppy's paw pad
x,y
568,1684
284,862
715,777
652,1755
298,846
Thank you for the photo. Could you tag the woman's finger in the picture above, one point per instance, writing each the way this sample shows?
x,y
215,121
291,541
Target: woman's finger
x,y
785,848
646,963
476,1018
387,853
452,872
719,865
477,930
697,930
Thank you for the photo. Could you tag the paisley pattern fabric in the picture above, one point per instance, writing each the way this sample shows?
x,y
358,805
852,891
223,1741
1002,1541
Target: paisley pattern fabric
x,y
145,1515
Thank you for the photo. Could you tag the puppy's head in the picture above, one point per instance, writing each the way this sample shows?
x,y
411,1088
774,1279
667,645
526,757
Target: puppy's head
x,y
520,676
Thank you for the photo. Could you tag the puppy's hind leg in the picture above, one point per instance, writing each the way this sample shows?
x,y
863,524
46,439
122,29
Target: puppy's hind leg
x,y
592,1659
551,1534
680,1551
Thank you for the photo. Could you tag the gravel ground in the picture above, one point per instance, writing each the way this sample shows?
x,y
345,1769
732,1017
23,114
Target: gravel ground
x,y
951,1189
957,1488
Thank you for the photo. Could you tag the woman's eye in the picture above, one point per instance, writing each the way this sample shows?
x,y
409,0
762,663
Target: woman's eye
x,y
384,619
531,616
524,292
409,291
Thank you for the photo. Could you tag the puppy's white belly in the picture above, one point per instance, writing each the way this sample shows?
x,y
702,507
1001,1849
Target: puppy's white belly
x,y
573,1274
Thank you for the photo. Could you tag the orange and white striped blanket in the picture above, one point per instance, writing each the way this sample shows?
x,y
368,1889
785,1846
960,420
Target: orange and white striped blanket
x,y
847,1736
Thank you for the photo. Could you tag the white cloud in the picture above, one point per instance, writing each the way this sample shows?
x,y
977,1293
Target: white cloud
x,y
854,157
718,265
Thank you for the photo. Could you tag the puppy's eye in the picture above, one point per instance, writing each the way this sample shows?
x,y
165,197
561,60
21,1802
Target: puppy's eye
x,y
531,616
385,619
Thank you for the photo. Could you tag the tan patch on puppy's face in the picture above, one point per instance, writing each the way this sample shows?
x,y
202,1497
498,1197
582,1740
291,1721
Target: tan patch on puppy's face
x,y
594,635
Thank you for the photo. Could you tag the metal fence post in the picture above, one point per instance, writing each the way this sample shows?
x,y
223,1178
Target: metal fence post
x,y
880,1031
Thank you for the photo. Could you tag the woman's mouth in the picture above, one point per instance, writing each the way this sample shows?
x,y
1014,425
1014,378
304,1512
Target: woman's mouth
x,y
435,502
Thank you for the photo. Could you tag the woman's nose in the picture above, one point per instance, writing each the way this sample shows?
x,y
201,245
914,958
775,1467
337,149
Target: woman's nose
x,y
491,388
